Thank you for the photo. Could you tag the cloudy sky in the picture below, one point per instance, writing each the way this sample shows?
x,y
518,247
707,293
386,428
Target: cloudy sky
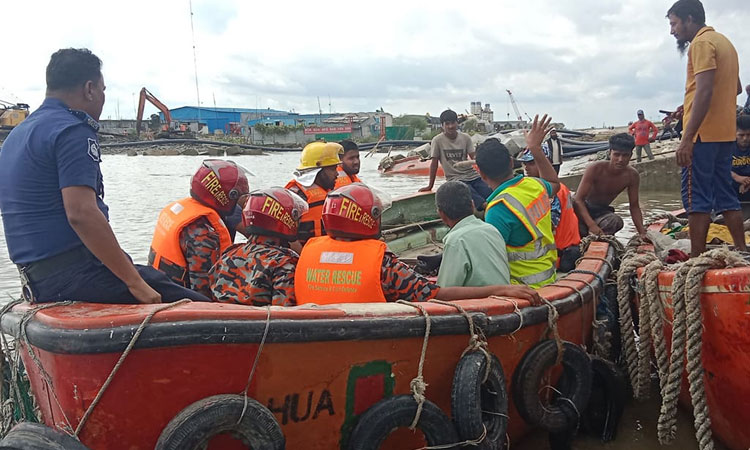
x,y
587,62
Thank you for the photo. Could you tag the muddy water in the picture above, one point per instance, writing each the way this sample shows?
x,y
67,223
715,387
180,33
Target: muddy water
x,y
138,187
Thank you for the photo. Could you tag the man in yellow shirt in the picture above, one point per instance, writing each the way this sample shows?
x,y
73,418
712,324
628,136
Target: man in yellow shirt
x,y
705,152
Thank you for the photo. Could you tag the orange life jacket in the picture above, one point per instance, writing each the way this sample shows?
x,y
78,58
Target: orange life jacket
x,y
311,223
331,271
166,254
344,178
566,233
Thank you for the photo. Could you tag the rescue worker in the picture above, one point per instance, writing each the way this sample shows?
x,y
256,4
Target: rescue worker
x,y
519,207
349,168
191,234
564,219
260,272
55,221
351,264
314,178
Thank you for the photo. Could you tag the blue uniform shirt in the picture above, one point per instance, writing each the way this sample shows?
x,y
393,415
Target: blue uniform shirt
x,y
54,148
741,166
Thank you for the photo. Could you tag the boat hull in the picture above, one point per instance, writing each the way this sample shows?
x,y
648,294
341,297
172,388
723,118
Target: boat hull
x,y
725,307
320,367
725,310
412,165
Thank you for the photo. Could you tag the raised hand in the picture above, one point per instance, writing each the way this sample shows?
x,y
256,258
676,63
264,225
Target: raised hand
x,y
539,130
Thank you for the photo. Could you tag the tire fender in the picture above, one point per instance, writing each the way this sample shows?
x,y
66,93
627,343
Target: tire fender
x,y
35,436
195,425
554,417
398,411
608,398
475,403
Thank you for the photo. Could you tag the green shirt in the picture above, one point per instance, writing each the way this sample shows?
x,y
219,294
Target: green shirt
x,y
474,255
512,230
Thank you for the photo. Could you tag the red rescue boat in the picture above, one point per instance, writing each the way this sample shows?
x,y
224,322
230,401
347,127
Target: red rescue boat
x,y
317,370
725,311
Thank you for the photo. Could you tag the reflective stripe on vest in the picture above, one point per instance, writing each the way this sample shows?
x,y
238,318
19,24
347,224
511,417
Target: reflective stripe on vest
x,y
166,253
533,263
344,178
567,233
312,221
331,271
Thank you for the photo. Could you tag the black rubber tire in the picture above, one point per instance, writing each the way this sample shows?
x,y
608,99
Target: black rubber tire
x,y
607,402
609,313
528,376
470,397
195,425
35,436
398,411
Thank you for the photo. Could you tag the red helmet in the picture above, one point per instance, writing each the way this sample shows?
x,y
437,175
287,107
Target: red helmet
x,y
353,211
274,212
218,184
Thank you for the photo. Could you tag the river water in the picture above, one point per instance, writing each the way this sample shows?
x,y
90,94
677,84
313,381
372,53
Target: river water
x,y
138,187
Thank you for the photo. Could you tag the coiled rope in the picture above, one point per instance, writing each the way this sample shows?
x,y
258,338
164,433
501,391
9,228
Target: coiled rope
x,y
687,335
628,268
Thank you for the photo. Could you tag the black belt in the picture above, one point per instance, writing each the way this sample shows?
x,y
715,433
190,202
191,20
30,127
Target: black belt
x,y
38,270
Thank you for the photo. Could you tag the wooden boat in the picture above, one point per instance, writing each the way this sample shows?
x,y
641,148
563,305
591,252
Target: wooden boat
x,y
725,310
317,370
409,165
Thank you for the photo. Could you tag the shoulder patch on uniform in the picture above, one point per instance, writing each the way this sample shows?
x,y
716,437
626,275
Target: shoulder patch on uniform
x,y
94,151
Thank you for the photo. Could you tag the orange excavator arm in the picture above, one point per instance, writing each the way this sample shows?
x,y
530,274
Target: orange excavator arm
x,y
146,95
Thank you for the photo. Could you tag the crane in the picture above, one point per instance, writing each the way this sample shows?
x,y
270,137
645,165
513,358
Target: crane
x,y
515,106
146,95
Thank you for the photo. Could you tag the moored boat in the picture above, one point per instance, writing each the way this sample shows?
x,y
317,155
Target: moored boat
x,y
408,165
315,377
712,333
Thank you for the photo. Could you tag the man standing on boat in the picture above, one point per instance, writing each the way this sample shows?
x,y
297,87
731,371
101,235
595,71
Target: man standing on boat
x,y
554,150
519,207
349,168
52,199
564,219
601,183
192,233
640,130
451,147
314,178
352,265
705,151
474,252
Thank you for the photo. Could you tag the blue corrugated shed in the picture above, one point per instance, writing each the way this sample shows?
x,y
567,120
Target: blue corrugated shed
x,y
217,118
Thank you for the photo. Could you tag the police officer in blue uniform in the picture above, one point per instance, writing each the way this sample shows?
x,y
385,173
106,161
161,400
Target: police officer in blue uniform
x,y
52,199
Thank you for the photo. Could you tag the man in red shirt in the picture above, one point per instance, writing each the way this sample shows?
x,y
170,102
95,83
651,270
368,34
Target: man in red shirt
x,y
640,131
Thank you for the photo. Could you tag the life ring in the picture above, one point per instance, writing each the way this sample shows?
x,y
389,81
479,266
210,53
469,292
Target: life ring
x,y
607,401
195,425
575,390
35,436
374,426
476,403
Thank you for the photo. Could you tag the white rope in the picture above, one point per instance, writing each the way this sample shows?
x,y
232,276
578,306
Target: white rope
x,y
255,363
120,361
417,385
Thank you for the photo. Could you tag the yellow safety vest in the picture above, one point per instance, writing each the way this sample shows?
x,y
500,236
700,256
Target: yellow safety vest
x,y
532,264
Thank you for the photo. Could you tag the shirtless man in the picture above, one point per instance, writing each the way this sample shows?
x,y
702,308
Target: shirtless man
x,y
601,183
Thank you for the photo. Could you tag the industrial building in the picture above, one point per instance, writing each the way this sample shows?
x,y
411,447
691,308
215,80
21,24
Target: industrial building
x,y
220,118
